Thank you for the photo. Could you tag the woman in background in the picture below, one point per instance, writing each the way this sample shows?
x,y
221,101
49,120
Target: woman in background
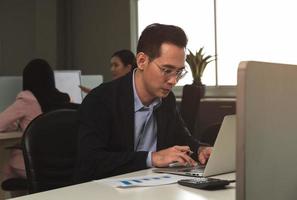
x,y
121,63
39,95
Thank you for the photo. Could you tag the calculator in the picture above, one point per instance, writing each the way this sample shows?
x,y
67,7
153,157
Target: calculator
x,y
205,183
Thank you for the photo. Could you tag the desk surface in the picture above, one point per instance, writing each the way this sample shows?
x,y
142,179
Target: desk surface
x,y
10,135
7,139
100,190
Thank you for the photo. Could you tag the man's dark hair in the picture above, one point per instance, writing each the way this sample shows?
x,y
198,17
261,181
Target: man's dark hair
x,y
154,35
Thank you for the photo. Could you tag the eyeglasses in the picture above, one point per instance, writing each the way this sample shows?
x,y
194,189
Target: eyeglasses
x,y
168,73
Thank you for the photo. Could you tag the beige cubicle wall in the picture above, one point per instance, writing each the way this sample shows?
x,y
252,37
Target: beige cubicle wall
x,y
266,131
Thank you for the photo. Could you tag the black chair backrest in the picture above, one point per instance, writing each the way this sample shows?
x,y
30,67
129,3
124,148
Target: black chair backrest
x,y
50,149
210,134
189,107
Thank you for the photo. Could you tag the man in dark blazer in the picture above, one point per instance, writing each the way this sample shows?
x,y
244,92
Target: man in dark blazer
x,y
132,123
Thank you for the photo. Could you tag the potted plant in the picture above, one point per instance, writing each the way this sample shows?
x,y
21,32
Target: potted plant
x,y
193,93
198,63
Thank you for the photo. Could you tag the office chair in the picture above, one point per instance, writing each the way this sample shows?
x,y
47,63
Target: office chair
x,y
49,148
189,108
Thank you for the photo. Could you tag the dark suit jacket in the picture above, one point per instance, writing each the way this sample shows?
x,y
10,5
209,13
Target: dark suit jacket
x,y
106,135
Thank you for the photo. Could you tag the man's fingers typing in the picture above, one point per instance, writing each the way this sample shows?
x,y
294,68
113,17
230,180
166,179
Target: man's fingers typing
x,y
174,154
203,154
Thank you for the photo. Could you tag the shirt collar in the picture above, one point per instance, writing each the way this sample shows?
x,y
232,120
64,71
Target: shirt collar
x,y
137,102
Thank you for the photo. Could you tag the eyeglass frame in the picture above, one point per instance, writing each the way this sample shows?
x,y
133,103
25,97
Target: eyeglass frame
x,y
168,73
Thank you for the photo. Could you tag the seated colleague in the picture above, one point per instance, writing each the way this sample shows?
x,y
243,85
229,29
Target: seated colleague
x,y
122,62
131,123
39,95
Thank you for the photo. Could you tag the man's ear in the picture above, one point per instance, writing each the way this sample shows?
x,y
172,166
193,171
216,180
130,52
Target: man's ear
x,y
142,60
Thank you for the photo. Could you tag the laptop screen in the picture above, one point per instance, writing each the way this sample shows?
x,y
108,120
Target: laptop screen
x,y
222,158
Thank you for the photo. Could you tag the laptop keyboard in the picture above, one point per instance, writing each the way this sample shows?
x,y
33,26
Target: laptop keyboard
x,y
193,171
196,171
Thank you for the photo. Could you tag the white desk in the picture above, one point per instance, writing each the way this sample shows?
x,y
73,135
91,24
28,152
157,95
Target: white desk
x,y
6,139
93,190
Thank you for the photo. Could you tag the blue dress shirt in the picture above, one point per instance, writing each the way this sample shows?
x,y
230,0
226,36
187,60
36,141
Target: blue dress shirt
x,y
145,125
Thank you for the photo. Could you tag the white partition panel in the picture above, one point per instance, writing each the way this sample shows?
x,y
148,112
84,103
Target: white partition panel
x,y
68,81
10,86
267,131
91,81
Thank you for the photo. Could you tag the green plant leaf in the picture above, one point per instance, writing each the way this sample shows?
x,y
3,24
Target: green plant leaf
x,y
198,63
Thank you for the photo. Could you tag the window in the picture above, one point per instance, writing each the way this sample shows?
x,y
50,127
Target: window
x,y
254,30
194,16
245,30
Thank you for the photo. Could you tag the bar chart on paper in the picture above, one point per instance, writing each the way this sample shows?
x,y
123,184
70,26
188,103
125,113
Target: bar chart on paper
x,y
143,181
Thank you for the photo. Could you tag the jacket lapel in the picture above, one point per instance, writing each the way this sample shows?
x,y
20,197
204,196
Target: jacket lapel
x,y
126,110
162,123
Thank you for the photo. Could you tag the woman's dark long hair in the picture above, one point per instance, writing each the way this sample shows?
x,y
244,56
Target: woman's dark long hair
x,y
38,77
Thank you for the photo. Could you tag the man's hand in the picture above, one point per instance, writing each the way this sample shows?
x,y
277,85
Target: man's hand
x,y
173,154
203,154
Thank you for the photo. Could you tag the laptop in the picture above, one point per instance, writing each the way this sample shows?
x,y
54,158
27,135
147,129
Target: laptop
x,y
222,158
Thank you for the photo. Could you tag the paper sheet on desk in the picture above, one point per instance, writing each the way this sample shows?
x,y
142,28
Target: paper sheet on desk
x,y
143,181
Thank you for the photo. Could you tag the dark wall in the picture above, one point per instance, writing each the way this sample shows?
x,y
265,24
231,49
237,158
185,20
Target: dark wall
x,y
27,30
70,34
98,29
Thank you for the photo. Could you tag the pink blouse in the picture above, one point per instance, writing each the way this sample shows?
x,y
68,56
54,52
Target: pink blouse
x,y
20,113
